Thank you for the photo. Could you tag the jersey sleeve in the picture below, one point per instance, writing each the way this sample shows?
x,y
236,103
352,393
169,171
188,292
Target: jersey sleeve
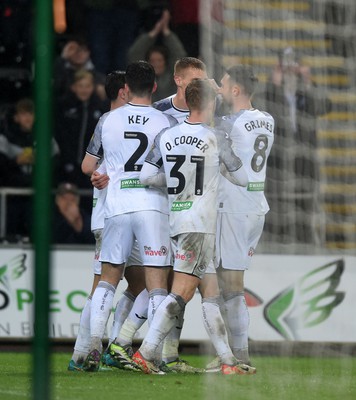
x,y
172,121
154,156
230,160
95,147
150,173
226,154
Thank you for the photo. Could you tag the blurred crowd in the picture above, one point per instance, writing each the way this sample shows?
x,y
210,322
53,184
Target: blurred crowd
x,y
100,36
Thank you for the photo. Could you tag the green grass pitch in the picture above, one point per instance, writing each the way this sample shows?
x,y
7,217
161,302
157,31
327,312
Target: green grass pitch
x,y
292,378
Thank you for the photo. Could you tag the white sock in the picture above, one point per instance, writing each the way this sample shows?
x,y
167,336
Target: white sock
x,y
123,307
171,341
82,342
161,324
238,320
215,327
156,296
136,318
100,311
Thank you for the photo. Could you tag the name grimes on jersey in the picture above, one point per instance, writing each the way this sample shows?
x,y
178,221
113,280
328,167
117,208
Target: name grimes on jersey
x,y
193,141
249,126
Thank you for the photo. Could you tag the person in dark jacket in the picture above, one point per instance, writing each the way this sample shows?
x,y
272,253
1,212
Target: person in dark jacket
x,y
293,180
77,116
75,56
71,222
17,158
161,48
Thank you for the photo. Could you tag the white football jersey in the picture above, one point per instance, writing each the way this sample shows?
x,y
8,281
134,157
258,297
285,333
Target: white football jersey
x,y
191,156
95,149
252,134
166,106
127,136
99,197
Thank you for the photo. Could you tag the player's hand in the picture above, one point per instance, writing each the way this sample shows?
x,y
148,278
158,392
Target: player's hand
x,y
98,180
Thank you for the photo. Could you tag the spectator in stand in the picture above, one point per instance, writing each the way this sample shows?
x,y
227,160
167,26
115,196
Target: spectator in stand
x,y
17,156
71,222
292,99
112,27
77,115
16,145
185,23
75,56
161,48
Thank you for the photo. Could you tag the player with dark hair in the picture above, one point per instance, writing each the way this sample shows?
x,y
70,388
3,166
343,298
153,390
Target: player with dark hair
x,y
114,88
132,210
186,69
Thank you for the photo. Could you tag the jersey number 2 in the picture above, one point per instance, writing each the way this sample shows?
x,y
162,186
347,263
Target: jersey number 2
x,y
131,162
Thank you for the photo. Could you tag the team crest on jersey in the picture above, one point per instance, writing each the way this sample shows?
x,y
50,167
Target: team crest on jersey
x,y
201,268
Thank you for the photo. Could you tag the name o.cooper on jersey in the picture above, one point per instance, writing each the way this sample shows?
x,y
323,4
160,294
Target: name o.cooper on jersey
x,y
127,136
191,154
252,135
191,161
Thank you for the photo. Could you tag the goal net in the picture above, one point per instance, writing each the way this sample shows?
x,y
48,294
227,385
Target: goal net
x,y
311,186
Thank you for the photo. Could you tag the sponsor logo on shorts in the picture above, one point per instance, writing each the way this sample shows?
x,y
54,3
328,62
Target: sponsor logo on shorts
x,y
251,252
150,252
95,200
187,256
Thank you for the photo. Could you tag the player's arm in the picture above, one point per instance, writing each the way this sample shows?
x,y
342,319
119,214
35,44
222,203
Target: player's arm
x,y
99,178
94,151
238,177
232,167
89,164
151,174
